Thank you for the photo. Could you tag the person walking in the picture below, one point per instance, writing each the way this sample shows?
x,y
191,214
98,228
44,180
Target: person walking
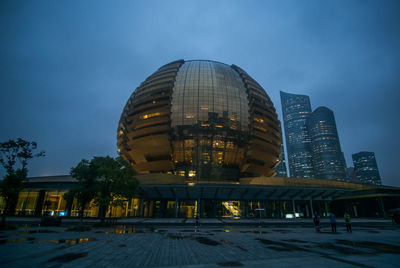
x,y
316,222
332,219
347,220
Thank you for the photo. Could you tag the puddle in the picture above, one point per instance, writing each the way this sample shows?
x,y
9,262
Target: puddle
x,y
206,241
230,243
295,241
279,248
379,247
243,249
342,250
68,242
254,232
230,264
68,257
130,230
177,236
282,231
37,232
226,242
23,239
288,246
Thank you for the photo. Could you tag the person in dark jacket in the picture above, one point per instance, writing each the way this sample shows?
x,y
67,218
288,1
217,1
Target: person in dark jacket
x,y
347,220
316,221
332,219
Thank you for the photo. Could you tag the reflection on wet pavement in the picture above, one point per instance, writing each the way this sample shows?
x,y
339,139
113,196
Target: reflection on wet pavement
x,y
230,264
68,242
37,232
379,247
68,257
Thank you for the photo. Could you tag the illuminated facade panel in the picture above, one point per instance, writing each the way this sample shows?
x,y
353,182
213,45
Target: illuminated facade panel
x,y
202,120
366,168
327,156
296,109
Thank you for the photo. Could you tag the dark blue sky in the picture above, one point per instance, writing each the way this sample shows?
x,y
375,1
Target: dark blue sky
x,y
67,68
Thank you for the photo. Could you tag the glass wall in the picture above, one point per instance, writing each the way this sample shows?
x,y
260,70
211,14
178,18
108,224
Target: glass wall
x,y
26,203
209,118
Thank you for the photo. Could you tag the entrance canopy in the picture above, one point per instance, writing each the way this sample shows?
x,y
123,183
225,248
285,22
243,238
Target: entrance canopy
x,y
164,186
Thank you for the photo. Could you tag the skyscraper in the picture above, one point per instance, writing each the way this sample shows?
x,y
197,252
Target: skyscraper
x,y
296,109
281,170
327,156
366,168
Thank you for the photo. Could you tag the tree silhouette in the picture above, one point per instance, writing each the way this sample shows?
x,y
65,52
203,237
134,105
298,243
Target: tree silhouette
x,y
14,156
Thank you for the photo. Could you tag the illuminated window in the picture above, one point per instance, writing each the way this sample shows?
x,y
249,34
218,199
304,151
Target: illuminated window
x,y
146,116
259,120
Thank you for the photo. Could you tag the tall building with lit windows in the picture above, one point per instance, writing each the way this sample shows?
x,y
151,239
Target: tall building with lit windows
x,y
366,168
296,109
281,170
327,156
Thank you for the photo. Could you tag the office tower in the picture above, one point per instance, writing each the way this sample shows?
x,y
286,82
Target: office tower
x,y
351,174
296,109
281,168
325,146
366,168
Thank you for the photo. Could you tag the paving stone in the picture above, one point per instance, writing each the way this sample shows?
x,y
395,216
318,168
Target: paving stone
x,y
208,246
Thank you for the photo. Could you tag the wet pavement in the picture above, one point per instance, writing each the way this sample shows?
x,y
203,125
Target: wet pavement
x,y
206,246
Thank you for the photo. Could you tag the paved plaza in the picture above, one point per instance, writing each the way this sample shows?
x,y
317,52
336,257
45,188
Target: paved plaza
x,y
215,243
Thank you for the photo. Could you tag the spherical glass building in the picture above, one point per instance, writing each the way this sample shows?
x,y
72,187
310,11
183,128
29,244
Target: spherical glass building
x,y
203,120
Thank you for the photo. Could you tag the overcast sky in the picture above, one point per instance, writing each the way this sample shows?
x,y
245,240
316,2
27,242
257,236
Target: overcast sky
x,y
68,67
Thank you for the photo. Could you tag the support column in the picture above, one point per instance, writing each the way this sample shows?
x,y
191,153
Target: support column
x,y
312,209
39,203
176,207
294,208
141,208
327,210
382,207
246,209
214,208
198,208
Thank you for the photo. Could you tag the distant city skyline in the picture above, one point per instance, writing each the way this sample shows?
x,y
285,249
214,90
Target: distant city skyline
x,y
67,68
366,168
313,146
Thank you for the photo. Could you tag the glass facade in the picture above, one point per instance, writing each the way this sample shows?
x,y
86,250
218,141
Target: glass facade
x,y
209,120
253,198
203,120
328,160
366,168
281,170
296,109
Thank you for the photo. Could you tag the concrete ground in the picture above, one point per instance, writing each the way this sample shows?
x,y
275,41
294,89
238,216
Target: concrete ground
x,y
215,243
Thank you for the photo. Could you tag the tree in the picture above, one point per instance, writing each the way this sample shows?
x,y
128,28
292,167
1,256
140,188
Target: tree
x,y
85,190
116,183
14,156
